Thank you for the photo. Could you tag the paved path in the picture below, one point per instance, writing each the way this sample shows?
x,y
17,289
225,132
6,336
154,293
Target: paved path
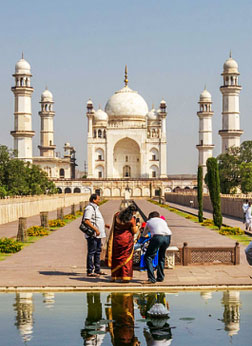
x,y
227,220
59,259
9,230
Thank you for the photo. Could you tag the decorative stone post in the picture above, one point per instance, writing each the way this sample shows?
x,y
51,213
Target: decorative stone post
x,y
22,226
60,213
237,253
44,219
82,206
185,254
73,209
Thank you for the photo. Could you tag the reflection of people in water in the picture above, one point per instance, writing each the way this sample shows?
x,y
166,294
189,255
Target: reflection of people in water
x,y
122,314
94,315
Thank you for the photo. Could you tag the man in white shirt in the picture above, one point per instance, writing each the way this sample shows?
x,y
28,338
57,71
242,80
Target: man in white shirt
x,y
244,209
93,218
160,240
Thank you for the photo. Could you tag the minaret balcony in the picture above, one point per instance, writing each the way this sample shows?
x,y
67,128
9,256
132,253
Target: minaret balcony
x,y
47,147
22,88
229,132
205,146
230,88
22,133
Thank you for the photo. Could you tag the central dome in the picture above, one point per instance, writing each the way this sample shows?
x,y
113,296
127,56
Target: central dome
x,y
125,104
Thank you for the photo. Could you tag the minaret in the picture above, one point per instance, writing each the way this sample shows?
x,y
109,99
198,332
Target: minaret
x,y
46,114
163,114
22,110
230,133
205,146
90,115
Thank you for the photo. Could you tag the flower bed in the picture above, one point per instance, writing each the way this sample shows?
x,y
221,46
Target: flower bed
x,y
8,245
37,231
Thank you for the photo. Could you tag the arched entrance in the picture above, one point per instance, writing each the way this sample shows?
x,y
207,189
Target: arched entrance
x,y
126,159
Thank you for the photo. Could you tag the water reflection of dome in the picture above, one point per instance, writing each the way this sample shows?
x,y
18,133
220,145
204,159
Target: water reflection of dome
x,y
231,314
24,317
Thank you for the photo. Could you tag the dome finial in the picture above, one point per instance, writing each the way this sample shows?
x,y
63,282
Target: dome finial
x,y
22,55
126,76
230,54
205,87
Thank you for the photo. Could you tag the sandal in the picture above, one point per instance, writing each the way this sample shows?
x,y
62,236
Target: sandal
x,y
101,273
92,275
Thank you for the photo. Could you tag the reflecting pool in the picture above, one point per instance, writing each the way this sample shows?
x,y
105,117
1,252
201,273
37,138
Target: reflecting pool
x,y
72,319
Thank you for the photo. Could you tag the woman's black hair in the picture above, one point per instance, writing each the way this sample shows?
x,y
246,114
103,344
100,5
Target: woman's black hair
x,y
127,214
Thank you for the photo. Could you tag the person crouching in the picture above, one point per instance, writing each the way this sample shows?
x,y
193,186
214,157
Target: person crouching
x,y
160,240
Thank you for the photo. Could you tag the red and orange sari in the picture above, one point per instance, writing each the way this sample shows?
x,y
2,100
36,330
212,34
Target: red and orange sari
x,y
121,248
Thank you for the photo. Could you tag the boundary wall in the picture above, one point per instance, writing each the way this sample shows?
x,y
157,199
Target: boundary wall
x,y
230,205
13,208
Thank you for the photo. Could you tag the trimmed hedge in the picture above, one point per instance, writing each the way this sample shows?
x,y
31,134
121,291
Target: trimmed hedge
x,y
200,193
213,183
37,231
56,223
231,231
8,245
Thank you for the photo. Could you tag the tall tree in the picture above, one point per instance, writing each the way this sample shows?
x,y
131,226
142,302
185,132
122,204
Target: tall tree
x,y
229,170
200,193
20,178
213,182
246,177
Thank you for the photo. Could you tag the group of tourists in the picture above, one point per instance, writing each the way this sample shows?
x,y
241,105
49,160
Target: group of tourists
x,y
124,232
247,217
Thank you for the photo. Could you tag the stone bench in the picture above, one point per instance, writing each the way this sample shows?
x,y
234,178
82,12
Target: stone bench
x,y
170,257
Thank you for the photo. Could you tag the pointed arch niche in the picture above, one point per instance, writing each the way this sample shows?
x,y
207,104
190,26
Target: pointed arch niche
x,y
126,159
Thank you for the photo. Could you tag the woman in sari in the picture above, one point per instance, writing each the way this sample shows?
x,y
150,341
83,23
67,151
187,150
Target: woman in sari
x,y
121,245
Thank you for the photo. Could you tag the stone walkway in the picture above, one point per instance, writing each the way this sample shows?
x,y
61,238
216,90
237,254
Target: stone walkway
x,y
9,230
58,261
227,220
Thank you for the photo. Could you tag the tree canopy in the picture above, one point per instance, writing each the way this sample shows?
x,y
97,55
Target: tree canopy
x,y
21,178
235,169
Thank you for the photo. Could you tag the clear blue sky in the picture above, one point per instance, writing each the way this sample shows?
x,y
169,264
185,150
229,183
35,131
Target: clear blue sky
x,y
172,48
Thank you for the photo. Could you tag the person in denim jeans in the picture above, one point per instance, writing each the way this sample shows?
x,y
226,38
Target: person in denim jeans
x,y
94,219
160,241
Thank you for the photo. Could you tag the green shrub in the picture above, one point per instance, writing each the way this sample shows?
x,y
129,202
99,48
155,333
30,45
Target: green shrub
x,y
207,222
56,223
37,231
69,217
78,213
8,245
231,231
200,193
191,217
213,182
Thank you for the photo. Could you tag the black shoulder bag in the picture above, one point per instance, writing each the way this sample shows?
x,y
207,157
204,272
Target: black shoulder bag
x,y
85,228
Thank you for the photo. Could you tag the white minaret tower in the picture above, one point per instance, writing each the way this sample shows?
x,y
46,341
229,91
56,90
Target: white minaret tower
x,y
22,110
90,115
205,146
163,115
230,133
46,114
